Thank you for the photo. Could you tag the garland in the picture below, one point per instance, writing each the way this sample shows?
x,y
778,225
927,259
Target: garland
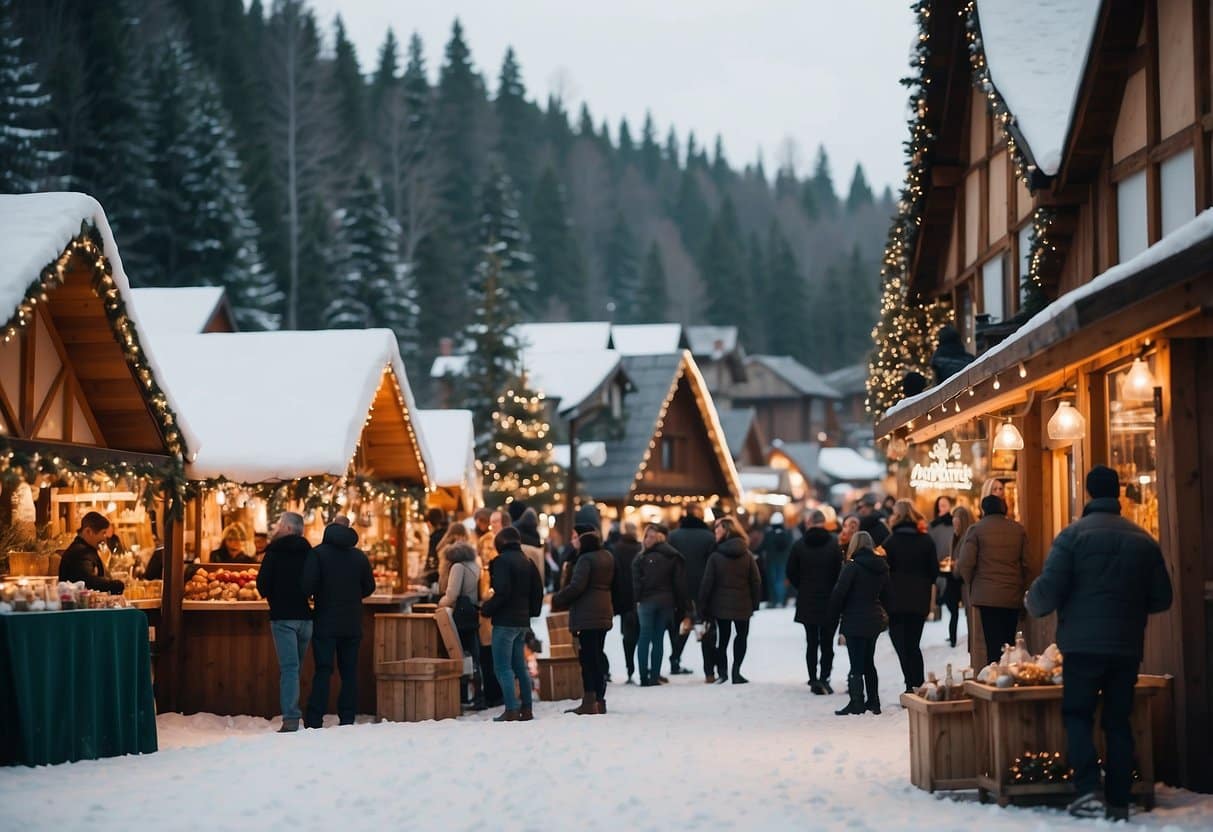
x,y
1039,250
39,470
321,492
904,335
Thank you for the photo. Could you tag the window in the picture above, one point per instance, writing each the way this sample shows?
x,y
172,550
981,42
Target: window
x,y
992,303
1131,228
1178,182
668,456
1132,448
1025,255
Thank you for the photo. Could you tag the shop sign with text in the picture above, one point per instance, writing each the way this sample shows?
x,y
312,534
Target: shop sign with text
x,y
944,471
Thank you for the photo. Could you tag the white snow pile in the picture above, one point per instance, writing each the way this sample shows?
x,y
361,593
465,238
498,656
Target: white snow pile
x,y
768,755
1187,235
271,406
647,339
34,230
848,464
1036,51
451,441
181,310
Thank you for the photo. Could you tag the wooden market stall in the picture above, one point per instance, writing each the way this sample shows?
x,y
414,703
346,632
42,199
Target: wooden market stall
x,y
316,422
84,426
458,487
670,449
1076,259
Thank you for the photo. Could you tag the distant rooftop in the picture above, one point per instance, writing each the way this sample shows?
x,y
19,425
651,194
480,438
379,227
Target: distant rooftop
x,y
796,374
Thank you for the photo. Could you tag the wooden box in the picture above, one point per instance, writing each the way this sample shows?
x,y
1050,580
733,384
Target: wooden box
x,y
559,678
447,632
1010,721
414,690
563,651
561,643
943,746
401,636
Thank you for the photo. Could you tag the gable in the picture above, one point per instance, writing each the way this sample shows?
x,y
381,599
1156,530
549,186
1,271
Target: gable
x,y
389,448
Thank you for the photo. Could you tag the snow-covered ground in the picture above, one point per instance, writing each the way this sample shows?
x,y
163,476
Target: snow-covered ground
x,y
768,755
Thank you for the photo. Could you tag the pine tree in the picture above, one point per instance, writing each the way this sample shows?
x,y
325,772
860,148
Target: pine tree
x,y
386,78
720,166
673,152
691,212
622,272
559,269
650,153
370,285
722,267
28,144
787,303
515,131
824,196
457,127
348,86
627,147
585,123
520,463
556,129
692,150
654,290
758,304
860,195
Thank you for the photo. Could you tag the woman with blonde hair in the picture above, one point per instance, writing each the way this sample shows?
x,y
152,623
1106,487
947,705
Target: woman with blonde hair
x,y
913,568
860,598
962,519
994,487
231,546
455,533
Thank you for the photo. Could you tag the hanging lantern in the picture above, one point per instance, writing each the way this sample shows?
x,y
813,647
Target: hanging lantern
x,y
1139,383
1067,424
1008,438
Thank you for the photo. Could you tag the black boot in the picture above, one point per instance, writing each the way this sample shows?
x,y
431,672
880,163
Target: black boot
x,y
855,689
873,703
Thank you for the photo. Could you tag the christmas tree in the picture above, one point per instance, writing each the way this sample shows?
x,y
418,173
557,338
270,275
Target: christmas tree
x,y
520,460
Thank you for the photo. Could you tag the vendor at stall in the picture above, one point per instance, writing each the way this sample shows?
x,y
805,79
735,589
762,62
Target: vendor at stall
x,y
231,549
82,562
260,541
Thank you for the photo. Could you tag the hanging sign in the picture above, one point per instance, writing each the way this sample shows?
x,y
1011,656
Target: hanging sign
x,y
944,471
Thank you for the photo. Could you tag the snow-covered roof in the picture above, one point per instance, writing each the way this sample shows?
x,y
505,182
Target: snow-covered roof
x,y
300,414
848,380
589,454
183,310
34,230
564,335
451,440
760,479
848,465
647,339
796,374
704,340
1186,236
1036,51
569,377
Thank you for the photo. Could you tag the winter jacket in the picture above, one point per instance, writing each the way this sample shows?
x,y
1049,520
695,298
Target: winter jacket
x,y
517,589
776,545
813,568
913,568
280,579
941,533
432,566
623,594
875,525
732,587
861,596
659,576
221,555
1104,576
338,576
696,542
462,577
994,562
81,562
588,594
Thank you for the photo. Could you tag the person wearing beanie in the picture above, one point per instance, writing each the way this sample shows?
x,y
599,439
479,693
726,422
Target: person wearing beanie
x,y
993,562
1104,577
773,551
517,598
588,600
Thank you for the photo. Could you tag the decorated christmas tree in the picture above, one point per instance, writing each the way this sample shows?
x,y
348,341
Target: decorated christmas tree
x,y
520,456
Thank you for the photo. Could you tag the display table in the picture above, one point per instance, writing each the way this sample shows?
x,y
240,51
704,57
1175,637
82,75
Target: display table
x,y
1011,721
75,686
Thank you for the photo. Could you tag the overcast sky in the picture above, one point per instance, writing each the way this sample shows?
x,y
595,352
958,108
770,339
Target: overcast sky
x,y
755,71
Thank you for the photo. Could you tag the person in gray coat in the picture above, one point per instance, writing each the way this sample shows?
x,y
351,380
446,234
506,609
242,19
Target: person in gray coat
x,y
730,592
587,597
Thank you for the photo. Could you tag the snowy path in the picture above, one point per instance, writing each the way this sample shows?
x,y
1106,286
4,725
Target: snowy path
x,y
767,755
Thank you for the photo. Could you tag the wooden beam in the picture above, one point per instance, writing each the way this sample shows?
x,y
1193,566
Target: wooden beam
x,y
168,658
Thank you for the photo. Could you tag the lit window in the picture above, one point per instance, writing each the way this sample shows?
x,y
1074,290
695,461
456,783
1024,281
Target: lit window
x,y
1178,183
991,290
1131,228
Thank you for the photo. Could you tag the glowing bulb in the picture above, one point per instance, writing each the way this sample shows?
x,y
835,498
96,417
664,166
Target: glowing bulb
x,y
1139,383
1067,424
1008,438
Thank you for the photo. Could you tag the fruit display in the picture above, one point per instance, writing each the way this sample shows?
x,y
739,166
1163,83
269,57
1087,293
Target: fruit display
x,y
223,585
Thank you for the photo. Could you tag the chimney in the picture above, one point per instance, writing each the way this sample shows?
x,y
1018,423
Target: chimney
x,y
446,346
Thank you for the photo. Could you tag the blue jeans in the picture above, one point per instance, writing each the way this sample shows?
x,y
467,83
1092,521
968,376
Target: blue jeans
x,y
777,588
509,664
290,643
654,621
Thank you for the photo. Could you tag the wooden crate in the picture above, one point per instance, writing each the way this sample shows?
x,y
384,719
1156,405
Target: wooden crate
x,y
563,651
424,668
405,636
559,678
943,748
1010,721
447,632
414,690
561,643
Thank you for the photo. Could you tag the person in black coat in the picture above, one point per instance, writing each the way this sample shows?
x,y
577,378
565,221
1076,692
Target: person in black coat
x,y
337,575
1104,577
280,582
436,519
913,567
517,598
860,599
950,357
730,592
623,595
82,562
659,587
696,542
813,568
587,597
774,552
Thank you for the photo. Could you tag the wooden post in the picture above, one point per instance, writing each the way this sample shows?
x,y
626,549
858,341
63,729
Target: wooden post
x,y
570,494
168,657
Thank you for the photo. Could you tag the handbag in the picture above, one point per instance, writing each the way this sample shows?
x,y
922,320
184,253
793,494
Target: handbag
x,y
466,614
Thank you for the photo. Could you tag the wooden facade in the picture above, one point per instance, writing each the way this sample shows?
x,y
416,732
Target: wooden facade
x,y
785,410
1135,168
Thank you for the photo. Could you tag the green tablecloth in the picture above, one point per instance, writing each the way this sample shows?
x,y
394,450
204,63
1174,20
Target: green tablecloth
x,y
75,686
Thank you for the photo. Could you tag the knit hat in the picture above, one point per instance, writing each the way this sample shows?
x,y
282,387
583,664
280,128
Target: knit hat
x,y
585,528
1103,483
657,527
515,509
992,504
507,538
